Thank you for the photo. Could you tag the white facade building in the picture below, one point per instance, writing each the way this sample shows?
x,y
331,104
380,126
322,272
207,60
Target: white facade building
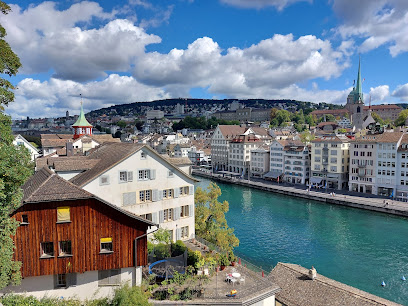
x,y
21,141
260,161
136,178
154,114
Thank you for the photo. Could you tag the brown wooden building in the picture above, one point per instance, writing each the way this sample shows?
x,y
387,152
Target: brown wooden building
x,y
66,231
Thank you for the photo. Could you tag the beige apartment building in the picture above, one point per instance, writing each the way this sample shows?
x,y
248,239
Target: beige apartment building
x,y
330,162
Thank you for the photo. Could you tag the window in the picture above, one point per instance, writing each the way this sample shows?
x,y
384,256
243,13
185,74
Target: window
x,y
170,173
24,219
104,180
143,155
109,277
61,280
167,193
47,249
65,248
184,211
145,195
125,176
63,214
106,245
168,214
144,175
147,217
184,232
184,191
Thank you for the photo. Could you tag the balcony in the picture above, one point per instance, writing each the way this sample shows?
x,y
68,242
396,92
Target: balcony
x,y
325,161
362,165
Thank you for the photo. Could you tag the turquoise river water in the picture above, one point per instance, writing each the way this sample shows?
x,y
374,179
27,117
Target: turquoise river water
x,y
357,247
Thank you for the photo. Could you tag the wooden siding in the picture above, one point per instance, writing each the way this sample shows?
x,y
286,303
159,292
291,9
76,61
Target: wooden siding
x,y
91,220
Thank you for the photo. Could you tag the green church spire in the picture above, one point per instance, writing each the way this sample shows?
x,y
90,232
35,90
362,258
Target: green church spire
x,y
81,119
358,91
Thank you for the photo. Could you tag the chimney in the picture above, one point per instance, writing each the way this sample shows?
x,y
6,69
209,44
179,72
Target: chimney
x,y
70,148
312,273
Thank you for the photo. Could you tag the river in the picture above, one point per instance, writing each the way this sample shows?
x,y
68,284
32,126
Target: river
x,y
356,247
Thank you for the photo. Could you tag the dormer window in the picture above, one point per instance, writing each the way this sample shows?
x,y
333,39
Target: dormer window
x,y
143,155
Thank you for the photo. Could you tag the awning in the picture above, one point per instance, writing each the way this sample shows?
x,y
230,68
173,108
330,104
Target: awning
x,y
273,174
316,180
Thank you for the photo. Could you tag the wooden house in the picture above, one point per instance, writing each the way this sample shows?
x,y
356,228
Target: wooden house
x,y
72,243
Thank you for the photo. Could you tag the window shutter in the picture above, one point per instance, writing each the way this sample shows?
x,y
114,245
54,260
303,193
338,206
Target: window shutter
x,y
159,195
130,176
161,216
63,214
155,195
176,213
176,192
154,218
153,174
191,190
190,210
178,233
125,199
132,198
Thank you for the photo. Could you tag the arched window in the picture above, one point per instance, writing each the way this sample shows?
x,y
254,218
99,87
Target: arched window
x,y
358,109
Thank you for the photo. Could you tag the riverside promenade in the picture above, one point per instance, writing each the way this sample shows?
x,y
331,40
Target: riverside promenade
x,y
363,201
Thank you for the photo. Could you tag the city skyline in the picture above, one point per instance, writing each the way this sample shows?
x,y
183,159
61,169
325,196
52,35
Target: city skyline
x,y
140,50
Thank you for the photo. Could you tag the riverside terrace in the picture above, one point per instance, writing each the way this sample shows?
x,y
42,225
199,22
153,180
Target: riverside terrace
x,y
350,199
256,289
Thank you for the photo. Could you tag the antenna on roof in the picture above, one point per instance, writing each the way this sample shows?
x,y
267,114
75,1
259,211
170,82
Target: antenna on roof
x,y
369,105
81,97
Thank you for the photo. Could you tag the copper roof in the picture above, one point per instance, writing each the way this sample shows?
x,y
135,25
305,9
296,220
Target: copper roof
x,y
299,289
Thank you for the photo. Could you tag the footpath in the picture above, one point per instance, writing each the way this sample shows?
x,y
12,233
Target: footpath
x,y
362,201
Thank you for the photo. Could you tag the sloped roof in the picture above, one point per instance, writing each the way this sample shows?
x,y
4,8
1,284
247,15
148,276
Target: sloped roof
x,y
332,138
385,106
178,161
109,155
299,289
54,142
231,130
81,121
56,136
386,137
46,186
71,162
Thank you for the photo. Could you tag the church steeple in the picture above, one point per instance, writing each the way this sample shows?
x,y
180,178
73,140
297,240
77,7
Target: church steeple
x,y
358,91
82,126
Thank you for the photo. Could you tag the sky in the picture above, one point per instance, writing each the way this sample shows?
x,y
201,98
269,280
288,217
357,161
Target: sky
x,y
116,52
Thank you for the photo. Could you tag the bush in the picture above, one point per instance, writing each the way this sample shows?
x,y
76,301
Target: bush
x,y
178,248
22,300
127,295
195,259
161,251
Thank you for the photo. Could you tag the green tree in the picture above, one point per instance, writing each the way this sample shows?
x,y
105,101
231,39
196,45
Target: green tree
x,y
306,137
210,222
310,120
121,124
403,115
377,118
15,166
9,64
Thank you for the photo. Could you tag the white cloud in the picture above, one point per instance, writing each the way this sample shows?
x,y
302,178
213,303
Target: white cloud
x,y
54,97
272,64
258,4
378,22
401,92
47,39
379,93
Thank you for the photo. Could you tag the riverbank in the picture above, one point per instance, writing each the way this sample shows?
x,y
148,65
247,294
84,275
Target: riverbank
x,y
361,202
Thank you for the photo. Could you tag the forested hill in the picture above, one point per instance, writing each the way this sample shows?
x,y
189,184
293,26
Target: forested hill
x,y
138,108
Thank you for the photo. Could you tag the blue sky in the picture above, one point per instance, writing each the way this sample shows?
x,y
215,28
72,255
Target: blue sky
x,y
115,52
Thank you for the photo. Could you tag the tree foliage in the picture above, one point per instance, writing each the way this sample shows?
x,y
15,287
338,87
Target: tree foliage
x,y
15,165
9,64
201,123
15,168
402,117
210,222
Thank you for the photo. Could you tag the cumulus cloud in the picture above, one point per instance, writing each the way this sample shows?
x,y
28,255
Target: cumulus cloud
x,y
54,97
379,93
279,4
378,22
401,92
47,39
274,63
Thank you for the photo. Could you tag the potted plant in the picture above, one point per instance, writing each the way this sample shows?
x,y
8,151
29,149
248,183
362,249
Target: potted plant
x,y
224,261
233,259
